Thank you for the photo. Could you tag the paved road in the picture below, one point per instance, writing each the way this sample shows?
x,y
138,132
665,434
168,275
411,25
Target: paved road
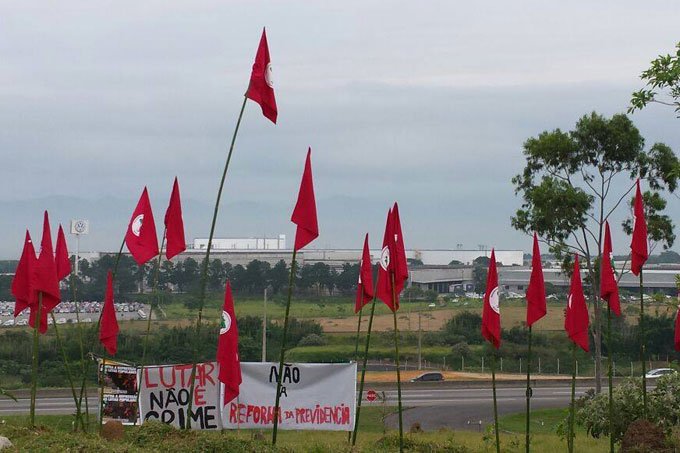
x,y
472,408
45,405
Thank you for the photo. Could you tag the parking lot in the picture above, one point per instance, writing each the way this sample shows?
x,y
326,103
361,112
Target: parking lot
x,y
65,313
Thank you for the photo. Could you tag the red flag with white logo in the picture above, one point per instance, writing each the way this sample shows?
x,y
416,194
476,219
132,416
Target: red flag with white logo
x,y
304,214
174,225
365,283
261,88
61,256
576,317
400,263
536,306
609,291
141,237
108,327
227,349
491,313
638,244
22,288
385,266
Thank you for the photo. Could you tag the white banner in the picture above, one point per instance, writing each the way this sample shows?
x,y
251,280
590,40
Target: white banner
x,y
314,396
165,395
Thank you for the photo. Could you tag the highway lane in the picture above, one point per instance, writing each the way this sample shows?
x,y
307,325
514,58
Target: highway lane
x,y
469,403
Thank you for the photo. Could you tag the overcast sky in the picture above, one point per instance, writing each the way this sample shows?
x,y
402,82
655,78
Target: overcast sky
x,y
427,103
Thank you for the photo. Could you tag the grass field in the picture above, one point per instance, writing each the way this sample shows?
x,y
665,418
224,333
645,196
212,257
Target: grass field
x,y
53,434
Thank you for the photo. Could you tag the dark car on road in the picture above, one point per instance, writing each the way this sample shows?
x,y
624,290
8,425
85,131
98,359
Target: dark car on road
x,y
428,377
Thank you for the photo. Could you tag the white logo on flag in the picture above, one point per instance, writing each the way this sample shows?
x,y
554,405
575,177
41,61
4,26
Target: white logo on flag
x,y
493,300
137,224
226,323
385,258
269,80
569,304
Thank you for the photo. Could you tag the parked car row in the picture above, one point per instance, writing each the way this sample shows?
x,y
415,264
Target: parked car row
x,y
7,307
24,322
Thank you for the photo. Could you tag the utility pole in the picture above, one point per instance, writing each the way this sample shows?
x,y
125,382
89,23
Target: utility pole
x,y
264,329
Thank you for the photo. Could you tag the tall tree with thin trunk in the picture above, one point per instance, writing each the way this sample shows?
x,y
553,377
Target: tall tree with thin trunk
x,y
574,181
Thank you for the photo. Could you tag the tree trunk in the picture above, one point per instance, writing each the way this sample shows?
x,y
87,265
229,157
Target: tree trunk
x,y
597,326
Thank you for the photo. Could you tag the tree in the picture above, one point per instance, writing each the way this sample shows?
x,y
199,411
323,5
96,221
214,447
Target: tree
x,y
278,276
663,75
479,274
347,280
570,186
216,275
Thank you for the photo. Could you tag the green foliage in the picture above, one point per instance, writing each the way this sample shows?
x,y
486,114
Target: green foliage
x,y
312,340
663,76
663,407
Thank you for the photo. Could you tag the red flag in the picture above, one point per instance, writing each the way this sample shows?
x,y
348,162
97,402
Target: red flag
x,y
304,214
393,265
174,225
677,330
45,279
227,349
141,237
576,316
400,263
261,88
108,328
536,308
638,244
608,289
21,282
491,313
61,256
365,283
386,263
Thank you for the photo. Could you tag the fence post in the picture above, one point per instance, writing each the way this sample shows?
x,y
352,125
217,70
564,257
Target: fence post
x,y
520,365
462,363
577,368
482,364
558,365
539,365
631,369
501,364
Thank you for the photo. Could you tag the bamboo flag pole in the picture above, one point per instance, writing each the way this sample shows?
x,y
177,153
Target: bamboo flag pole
x,y
82,350
34,378
154,298
642,348
495,403
101,393
69,376
611,398
529,394
94,331
356,356
396,359
204,268
570,433
279,377
363,370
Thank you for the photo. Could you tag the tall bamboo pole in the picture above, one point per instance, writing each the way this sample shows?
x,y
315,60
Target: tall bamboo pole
x,y
154,298
34,378
356,357
73,282
495,403
570,434
94,331
363,371
101,393
611,398
204,269
642,348
279,377
69,376
529,394
396,359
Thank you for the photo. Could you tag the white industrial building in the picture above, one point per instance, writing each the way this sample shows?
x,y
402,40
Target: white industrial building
x,y
252,243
